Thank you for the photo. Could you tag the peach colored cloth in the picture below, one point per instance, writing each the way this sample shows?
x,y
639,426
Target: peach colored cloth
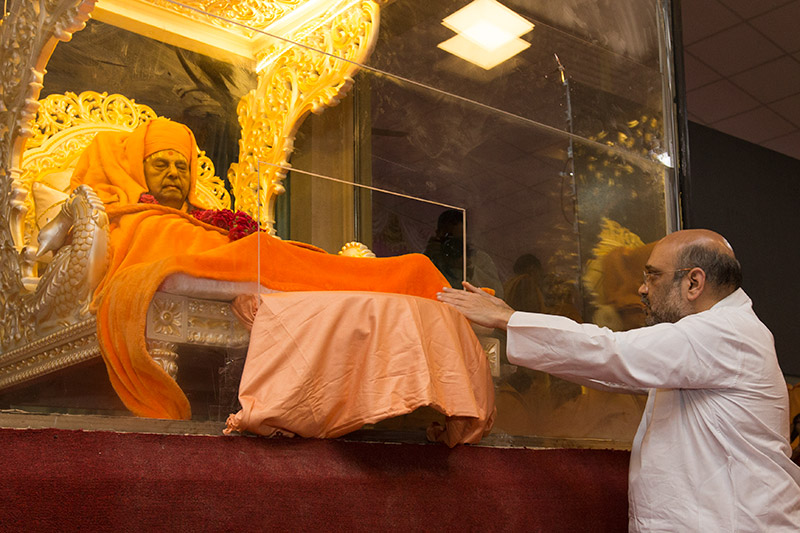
x,y
323,364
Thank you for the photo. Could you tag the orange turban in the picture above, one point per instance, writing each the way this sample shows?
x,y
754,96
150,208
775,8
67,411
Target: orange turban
x,y
164,134
113,164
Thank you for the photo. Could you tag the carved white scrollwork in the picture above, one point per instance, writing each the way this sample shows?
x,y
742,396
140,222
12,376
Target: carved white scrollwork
x,y
164,354
28,34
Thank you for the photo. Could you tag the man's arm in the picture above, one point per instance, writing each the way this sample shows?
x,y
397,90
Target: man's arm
x,y
699,353
478,306
486,310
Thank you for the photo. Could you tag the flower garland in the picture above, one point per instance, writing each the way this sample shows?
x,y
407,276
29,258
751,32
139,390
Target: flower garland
x,y
238,224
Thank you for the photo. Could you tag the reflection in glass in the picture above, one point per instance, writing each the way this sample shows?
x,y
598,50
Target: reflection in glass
x,y
556,161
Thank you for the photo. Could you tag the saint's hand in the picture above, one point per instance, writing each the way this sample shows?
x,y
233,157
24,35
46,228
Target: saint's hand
x,y
478,306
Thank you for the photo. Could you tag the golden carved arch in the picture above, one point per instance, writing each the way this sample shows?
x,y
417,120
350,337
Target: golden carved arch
x,y
297,77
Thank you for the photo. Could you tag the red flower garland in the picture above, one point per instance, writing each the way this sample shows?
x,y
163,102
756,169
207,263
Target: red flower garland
x,y
238,224
222,218
146,198
243,225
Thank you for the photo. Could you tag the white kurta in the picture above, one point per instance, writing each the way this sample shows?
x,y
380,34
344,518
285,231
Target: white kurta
x,y
711,452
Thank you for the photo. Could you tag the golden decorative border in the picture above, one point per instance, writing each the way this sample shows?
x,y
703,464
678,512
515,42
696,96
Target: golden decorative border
x,y
74,344
256,14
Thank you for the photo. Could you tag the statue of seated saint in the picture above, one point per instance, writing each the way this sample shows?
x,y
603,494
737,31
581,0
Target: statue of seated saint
x,y
158,226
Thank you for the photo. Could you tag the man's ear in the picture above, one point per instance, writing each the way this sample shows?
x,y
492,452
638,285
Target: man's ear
x,y
697,283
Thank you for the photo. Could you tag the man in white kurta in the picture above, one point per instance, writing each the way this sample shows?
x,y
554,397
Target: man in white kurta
x,y
711,452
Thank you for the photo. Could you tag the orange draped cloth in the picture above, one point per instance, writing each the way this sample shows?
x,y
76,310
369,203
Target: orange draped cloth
x,y
322,364
149,242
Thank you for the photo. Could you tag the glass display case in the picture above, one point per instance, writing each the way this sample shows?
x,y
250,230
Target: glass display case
x,y
526,147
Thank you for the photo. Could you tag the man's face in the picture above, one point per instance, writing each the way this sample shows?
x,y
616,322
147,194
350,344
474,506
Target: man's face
x,y
168,178
661,294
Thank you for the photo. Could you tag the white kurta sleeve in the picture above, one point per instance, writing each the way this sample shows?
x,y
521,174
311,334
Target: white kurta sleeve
x,y
692,353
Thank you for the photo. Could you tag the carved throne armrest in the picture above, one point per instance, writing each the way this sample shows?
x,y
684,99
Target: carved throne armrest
x,y
78,239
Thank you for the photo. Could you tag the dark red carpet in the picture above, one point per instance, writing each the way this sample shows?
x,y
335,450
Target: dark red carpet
x,y
59,480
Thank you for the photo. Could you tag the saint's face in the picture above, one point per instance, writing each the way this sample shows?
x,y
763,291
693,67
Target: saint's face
x,y
168,177
661,293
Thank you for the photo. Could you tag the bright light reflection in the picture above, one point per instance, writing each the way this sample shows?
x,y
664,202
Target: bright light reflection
x,y
486,59
488,33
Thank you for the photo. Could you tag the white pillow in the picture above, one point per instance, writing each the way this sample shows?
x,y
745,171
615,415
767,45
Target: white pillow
x,y
47,201
60,179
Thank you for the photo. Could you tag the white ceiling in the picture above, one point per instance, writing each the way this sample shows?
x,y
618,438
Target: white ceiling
x,y
742,63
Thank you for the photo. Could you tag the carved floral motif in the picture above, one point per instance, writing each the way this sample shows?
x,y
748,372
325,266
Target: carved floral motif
x,y
167,317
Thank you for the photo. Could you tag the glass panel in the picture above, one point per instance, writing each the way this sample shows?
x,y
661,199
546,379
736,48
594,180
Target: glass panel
x,y
541,209
328,213
556,162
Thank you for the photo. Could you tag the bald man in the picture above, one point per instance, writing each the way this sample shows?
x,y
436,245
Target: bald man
x,y
711,452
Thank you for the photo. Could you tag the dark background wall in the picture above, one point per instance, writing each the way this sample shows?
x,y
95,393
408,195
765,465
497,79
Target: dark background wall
x,y
751,195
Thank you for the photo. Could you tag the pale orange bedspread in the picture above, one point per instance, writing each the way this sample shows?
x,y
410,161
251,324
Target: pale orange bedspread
x,y
323,364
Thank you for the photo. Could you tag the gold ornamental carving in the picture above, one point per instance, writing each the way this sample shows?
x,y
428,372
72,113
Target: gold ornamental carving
x,y
255,14
69,346
69,111
356,249
308,74
164,353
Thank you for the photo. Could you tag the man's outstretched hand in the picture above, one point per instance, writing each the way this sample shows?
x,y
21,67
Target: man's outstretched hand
x,y
478,306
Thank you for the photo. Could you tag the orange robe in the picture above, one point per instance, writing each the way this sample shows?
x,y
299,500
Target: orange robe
x,y
150,242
